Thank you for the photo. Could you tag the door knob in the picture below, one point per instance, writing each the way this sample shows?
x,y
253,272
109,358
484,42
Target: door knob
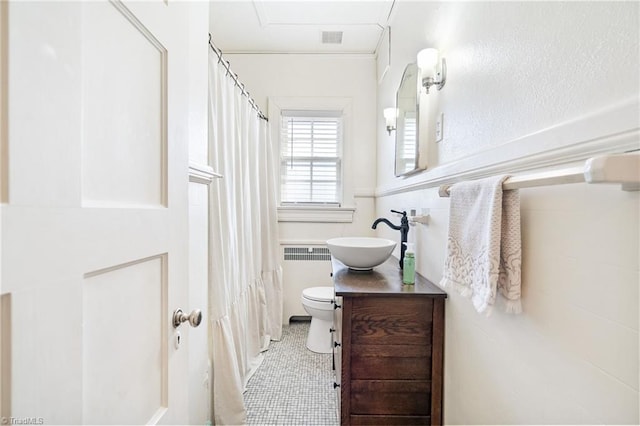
x,y
194,318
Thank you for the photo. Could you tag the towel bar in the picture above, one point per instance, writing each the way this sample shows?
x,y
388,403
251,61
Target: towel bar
x,y
613,168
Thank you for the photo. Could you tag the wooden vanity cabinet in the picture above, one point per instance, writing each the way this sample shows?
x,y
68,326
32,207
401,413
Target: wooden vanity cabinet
x,y
388,348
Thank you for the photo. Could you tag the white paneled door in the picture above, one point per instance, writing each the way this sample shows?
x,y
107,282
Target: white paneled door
x,y
95,213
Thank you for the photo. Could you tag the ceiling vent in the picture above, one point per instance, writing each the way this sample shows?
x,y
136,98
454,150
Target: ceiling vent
x,y
332,37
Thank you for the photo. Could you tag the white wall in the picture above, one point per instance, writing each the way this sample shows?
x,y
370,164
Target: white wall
x,y
321,77
516,69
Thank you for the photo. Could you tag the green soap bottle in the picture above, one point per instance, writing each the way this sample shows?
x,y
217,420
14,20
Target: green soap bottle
x,y
409,269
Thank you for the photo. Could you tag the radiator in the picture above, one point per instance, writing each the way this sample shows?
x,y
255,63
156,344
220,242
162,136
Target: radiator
x,y
306,253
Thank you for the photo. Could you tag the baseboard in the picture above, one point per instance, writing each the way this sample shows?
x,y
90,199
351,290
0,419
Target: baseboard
x,y
300,318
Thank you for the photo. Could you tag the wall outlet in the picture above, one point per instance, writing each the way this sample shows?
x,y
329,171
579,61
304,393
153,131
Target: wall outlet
x,y
439,120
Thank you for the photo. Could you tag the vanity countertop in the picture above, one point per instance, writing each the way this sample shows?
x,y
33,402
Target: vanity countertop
x,y
384,280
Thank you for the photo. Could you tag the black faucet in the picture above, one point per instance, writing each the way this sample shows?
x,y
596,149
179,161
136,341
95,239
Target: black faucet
x,y
403,228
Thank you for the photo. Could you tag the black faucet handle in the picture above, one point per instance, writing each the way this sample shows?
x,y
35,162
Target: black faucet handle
x,y
403,213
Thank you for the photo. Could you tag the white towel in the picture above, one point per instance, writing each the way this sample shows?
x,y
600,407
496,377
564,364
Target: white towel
x,y
483,247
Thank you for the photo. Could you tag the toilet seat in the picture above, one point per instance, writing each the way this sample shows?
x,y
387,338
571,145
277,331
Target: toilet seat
x,y
318,294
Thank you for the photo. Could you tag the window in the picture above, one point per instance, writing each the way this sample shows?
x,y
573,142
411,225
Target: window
x,y
406,161
310,158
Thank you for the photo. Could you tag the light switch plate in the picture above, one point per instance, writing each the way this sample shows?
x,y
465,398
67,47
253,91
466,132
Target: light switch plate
x,y
439,127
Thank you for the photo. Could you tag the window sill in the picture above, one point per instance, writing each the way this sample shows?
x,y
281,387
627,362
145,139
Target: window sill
x,y
316,214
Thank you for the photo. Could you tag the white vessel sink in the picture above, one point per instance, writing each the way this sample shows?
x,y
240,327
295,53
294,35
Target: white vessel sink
x,y
361,253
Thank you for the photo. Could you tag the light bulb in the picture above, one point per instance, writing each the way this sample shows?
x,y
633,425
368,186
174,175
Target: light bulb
x,y
390,113
427,60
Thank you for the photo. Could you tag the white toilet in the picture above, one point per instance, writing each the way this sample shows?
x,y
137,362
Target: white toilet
x,y
318,302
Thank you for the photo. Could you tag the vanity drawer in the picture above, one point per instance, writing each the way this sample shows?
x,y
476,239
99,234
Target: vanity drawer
x,y
391,362
391,397
336,345
391,321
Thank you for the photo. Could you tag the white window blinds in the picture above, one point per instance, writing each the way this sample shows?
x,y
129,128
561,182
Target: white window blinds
x,y
310,154
407,156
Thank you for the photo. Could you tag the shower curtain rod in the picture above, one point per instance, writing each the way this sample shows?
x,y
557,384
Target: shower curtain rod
x,y
234,76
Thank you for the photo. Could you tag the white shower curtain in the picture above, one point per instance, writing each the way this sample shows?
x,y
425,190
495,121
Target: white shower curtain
x,y
245,276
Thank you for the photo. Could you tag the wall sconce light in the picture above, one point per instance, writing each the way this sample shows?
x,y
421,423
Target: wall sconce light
x,y
433,70
390,115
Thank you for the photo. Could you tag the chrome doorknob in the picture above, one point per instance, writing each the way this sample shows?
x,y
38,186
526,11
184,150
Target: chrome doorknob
x,y
194,318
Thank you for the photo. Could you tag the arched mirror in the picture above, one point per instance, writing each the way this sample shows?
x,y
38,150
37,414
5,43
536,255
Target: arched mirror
x,y
407,146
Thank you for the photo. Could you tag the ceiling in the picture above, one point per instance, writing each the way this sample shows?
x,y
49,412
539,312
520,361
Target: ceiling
x,y
297,26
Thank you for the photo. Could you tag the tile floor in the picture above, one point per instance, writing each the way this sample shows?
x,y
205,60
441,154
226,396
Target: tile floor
x,y
293,386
